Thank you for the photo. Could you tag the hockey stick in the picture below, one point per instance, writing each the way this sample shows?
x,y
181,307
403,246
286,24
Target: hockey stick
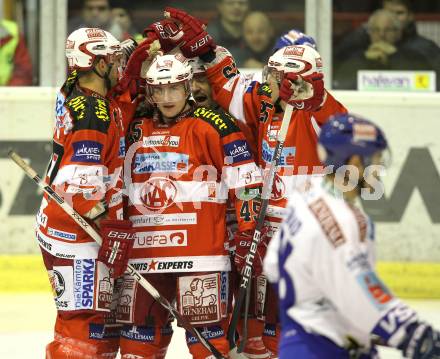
x,y
30,172
246,272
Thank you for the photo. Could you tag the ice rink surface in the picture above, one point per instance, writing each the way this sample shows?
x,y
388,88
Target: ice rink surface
x,y
26,322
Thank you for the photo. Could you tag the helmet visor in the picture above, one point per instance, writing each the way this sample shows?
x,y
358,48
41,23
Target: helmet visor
x,y
270,73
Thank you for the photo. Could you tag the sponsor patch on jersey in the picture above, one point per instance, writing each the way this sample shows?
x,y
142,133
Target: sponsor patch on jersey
x,y
124,309
104,287
83,283
287,157
61,282
198,298
207,332
221,121
61,234
161,162
161,141
162,265
224,293
270,330
121,152
361,221
101,331
375,289
137,333
86,151
328,222
260,297
237,151
172,238
153,220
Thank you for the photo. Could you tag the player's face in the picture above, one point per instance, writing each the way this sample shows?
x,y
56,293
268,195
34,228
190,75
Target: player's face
x,y
201,90
170,99
273,79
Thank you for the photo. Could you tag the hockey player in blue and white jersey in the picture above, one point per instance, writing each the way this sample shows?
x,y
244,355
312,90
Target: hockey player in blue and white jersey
x,y
332,303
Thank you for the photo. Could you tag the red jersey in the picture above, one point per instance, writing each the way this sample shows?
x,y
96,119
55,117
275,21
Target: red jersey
x,y
180,179
86,167
249,101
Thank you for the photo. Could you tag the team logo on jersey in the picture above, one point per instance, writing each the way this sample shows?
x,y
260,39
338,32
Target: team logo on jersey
x,y
158,141
158,193
237,151
198,298
173,238
86,151
165,162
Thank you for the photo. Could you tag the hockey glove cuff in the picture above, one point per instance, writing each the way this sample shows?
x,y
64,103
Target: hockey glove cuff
x,y
117,242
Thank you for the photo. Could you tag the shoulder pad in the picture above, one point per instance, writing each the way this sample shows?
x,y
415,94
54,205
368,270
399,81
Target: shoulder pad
x,y
222,121
89,113
264,89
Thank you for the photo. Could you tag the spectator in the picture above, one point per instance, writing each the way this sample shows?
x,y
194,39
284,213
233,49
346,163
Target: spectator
x,y
383,53
15,62
258,35
122,17
410,39
97,13
227,28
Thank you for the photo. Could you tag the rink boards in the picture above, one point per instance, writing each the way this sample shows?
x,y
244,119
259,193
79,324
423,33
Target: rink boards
x,y
407,218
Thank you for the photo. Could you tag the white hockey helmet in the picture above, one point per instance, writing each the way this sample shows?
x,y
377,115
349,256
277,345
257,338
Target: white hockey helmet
x,y
167,70
85,45
300,59
197,65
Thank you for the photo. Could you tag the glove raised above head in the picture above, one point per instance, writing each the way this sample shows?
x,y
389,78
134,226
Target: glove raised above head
x,y
303,92
168,33
195,40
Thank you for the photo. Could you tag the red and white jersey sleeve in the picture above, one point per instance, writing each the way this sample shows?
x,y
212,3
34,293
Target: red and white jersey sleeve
x,y
86,168
179,181
324,263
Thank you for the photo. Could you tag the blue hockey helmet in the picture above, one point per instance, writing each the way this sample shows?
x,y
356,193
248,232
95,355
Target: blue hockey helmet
x,y
294,37
345,135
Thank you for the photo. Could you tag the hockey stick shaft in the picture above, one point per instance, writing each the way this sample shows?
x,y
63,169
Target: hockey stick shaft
x,y
31,173
246,272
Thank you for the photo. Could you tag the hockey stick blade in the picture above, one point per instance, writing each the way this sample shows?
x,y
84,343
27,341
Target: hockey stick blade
x,y
30,172
246,272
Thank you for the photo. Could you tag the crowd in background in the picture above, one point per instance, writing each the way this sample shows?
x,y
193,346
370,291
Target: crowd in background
x,y
370,35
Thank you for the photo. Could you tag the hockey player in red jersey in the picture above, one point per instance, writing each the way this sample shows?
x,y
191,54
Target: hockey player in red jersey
x,y
293,75
182,163
86,168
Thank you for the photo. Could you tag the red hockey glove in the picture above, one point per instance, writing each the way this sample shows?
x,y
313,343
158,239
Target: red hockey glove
x,y
195,40
117,242
243,242
132,72
304,93
167,32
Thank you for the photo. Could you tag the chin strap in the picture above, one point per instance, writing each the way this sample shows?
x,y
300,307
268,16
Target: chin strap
x,y
108,83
